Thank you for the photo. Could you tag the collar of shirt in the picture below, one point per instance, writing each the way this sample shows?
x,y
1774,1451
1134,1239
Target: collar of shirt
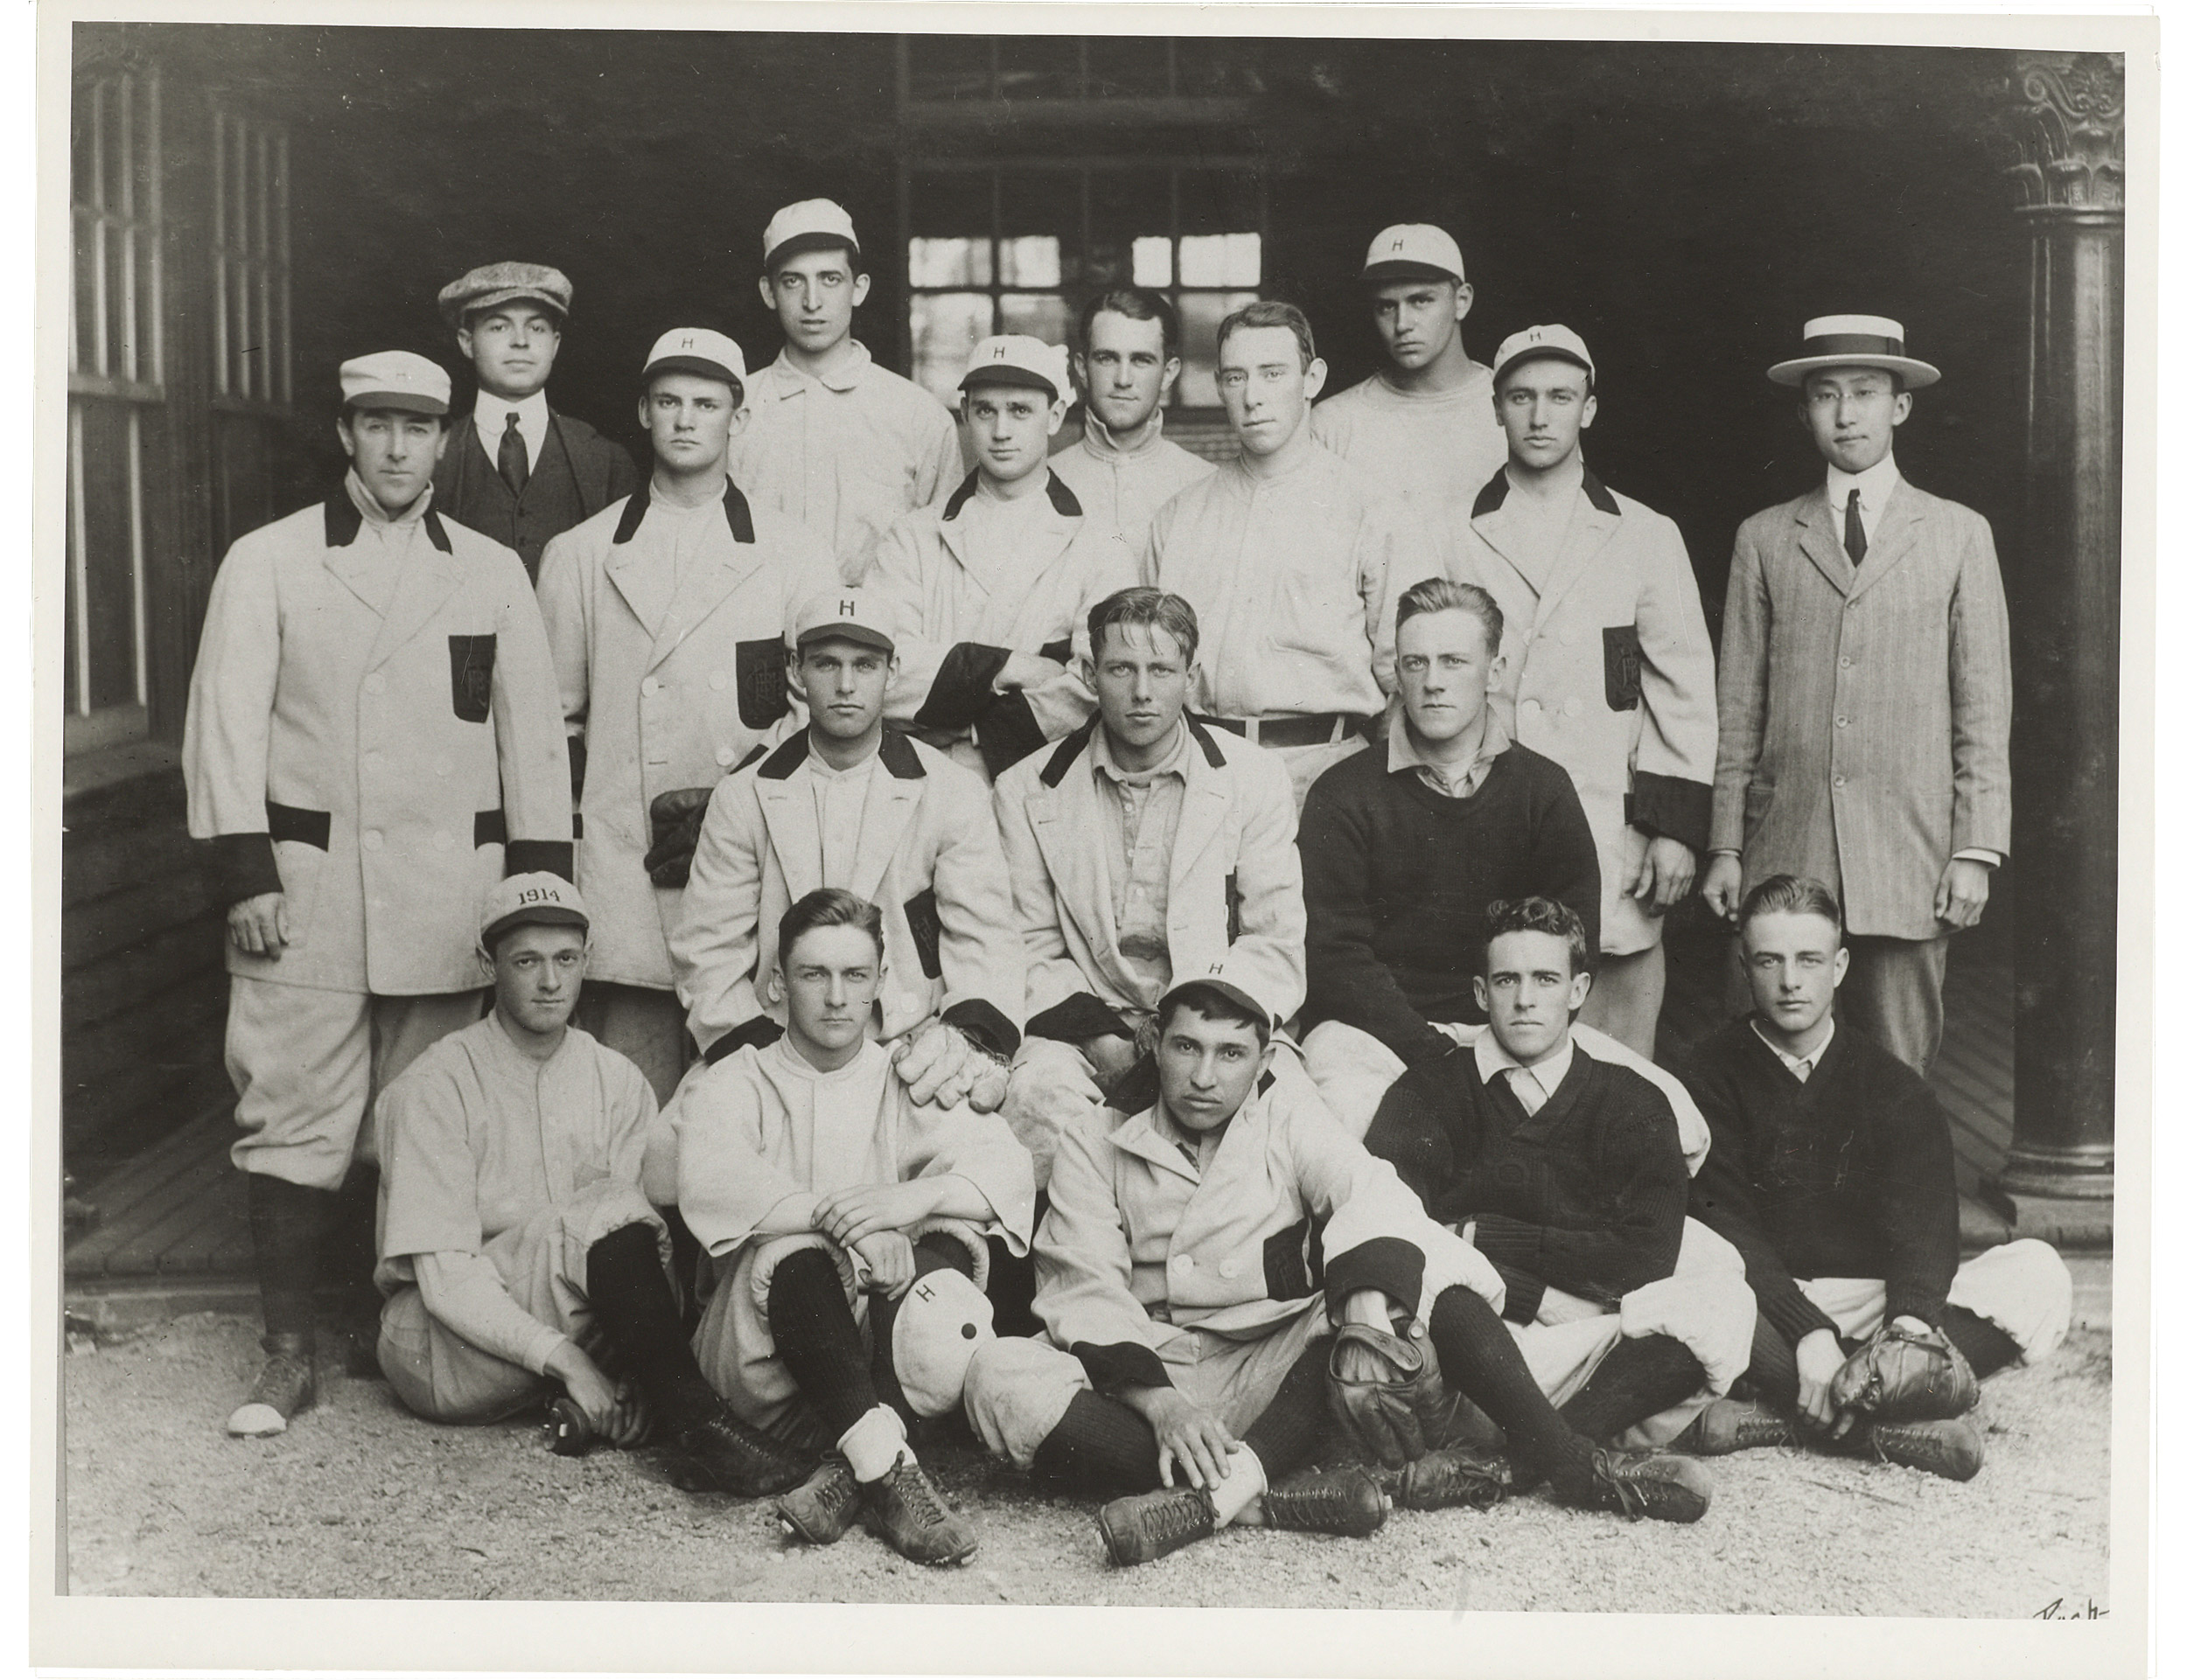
x,y
1875,485
1099,755
847,375
1466,390
1493,1060
517,1056
1466,780
490,415
376,516
786,1054
822,771
1101,444
1796,1062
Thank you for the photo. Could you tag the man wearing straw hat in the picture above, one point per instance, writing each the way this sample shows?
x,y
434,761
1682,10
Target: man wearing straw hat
x,y
1865,694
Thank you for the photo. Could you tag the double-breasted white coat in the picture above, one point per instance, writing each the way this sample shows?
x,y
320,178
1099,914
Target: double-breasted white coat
x,y
372,716
1609,672
668,684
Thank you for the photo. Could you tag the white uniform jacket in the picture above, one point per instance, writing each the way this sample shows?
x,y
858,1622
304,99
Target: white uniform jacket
x,y
1123,488
1137,1246
848,454
927,854
374,737
1610,673
1234,893
665,686
1867,710
959,619
1296,580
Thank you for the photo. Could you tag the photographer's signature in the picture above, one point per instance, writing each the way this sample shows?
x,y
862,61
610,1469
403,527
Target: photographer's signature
x,y
2058,1610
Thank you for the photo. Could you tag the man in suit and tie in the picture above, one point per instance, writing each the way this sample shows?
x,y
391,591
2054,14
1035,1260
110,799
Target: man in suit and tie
x,y
666,611
1865,692
517,469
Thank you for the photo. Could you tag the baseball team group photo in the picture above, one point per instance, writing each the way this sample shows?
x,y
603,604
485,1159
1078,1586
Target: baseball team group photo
x,y
1090,820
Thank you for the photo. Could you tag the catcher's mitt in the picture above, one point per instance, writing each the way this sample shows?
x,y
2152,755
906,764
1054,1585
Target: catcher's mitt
x,y
1387,1395
677,817
1897,1376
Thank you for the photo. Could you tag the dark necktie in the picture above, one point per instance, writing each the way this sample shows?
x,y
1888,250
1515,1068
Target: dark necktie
x,y
515,464
1855,538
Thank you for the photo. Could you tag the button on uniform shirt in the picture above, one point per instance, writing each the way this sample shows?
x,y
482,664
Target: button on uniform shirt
x,y
490,418
839,805
1434,448
847,453
1296,578
1799,1066
1120,489
1140,811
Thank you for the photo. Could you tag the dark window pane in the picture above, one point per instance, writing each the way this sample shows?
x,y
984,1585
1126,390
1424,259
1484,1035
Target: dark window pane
x,y
1041,214
1127,67
951,66
86,294
1214,66
1038,66
1217,201
1127,206
953,203
110,610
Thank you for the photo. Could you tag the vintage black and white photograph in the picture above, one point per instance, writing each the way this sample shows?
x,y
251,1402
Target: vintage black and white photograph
x,y
1226,820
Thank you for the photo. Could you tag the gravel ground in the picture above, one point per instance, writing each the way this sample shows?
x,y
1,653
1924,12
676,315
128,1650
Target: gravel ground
x,y
359,1500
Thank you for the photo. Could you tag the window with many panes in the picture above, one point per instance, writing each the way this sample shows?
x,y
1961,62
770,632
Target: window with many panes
x,y
117,380
250,258
1017,248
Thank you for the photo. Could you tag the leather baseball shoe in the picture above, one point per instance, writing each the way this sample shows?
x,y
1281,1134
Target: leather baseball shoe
x,y
1733,1426
1450,1475
1948,1447
725,1455
905,1509
288,1383
1345,1501
1660,1485
821,1509
1143,1527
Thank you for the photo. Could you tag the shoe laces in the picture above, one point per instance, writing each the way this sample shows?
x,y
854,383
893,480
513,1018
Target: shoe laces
x,y
1631,1494
1315,1502
1178,1516
921,1501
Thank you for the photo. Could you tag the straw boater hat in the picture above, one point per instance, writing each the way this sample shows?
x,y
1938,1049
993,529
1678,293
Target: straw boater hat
x,y
1855,341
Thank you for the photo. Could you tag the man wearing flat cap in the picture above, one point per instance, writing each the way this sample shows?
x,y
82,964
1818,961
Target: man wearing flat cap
x,y
990,588
835,439
666,612
516,468
1865,690
371,742
1425,421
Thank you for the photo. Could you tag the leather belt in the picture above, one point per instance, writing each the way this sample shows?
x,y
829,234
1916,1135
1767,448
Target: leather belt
x,y
1297,729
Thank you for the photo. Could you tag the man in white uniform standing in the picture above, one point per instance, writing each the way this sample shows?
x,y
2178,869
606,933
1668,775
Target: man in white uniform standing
x,y
1123,469
1425,422
836,439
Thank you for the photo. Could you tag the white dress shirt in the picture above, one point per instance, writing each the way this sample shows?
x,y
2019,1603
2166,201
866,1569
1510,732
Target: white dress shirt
x,y
1533,1086
490,417
1875,485
1801,1066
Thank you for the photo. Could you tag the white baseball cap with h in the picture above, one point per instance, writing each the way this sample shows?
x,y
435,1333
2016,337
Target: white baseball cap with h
x,y
808,225
1413,251
1019,359
1533,344
696,350
850,614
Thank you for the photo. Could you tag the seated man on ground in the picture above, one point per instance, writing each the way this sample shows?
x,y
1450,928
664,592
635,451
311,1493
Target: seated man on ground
x,y
1141,845
1832,1174
1404,848
1185,1370
516,1251
1566,1173
826,1196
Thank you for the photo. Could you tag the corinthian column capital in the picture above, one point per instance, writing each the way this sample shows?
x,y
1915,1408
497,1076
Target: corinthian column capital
x,y
2069,116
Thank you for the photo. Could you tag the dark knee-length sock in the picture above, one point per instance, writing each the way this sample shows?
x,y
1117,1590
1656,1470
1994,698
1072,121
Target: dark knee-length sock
x,y
288,1222
1637,1378
1284,1435
1988,1349
1478,1355
1099,1449
635,1308
818,1339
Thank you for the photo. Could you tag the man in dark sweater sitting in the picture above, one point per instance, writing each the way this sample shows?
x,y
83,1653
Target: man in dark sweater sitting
x,y
1404,848
1568,1175
1831,1172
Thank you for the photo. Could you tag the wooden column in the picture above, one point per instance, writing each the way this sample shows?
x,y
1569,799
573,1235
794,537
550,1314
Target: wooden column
x,y
2069,114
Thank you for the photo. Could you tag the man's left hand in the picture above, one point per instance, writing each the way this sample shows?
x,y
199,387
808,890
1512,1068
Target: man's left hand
x,y
1664,876
1962,893
849,1217
941,1066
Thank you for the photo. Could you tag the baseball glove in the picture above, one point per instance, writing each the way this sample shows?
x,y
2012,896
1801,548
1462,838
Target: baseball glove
x,y
677,817
1387,1395
1897,1376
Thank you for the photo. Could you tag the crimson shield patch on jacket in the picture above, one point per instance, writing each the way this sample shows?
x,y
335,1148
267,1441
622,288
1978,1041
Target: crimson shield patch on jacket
x,y
923,911
471,676
763,683
1621,666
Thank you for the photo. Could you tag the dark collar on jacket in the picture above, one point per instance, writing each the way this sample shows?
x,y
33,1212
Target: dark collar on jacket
x,y
733,504
344,521
1496,489
1066,752
1059,496
899,757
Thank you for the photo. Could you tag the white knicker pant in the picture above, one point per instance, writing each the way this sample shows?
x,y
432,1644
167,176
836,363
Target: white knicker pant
x,y
2021,1288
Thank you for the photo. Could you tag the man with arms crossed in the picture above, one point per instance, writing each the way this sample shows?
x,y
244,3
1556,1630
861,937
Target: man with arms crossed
x,y
1293,559
990,588
517,1251
836,439
666,614
1866,693
1609,671
518,470
1832,1174
1123,469
1425,423
370,743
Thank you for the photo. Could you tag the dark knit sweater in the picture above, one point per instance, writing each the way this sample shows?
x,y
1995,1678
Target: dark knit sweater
x,y
1398,881
1588,1195
1849,1175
